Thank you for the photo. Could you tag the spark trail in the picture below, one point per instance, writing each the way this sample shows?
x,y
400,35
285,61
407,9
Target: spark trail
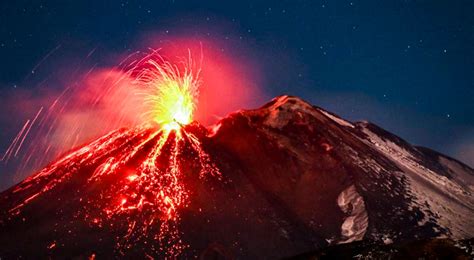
x,y
140,170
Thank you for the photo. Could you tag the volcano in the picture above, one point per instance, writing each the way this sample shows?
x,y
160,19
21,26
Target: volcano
x,y
279,181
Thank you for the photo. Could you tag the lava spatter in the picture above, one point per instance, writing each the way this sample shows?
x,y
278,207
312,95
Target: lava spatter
x,y
145,162
154,194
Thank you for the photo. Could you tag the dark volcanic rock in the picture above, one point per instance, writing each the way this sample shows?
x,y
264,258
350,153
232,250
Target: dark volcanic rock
x,y
420,249
295,178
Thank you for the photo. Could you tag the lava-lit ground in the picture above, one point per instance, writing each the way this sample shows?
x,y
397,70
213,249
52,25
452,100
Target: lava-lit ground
x,y
148,189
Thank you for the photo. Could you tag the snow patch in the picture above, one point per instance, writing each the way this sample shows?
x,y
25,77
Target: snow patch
x,y
336,119
356,222
461,174
387,240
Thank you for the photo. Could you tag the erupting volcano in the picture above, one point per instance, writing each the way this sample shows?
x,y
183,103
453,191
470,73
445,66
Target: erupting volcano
x,y
278,181
151,193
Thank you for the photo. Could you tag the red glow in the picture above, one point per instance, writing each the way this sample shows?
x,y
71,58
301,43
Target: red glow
x,y
102,100
149,199
132,177
229,82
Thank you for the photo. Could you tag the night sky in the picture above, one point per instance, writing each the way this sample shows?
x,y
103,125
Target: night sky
x,y
408,66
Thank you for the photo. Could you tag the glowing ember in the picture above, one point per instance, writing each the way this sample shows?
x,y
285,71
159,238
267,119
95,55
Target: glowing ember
x,y
151,196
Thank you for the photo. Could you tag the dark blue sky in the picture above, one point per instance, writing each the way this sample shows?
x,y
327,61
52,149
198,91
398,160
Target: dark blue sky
x,y
405,65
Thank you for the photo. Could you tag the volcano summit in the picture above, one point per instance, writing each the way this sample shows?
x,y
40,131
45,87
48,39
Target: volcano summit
x,y
278,181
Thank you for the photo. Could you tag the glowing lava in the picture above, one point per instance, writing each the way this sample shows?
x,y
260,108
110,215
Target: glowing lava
x,y
150,195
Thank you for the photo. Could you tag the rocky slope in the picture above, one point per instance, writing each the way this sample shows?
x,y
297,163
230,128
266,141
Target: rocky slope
x,y
294,178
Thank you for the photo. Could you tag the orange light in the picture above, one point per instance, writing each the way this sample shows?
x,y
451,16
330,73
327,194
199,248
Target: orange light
x,y
153,189
132,177
171,92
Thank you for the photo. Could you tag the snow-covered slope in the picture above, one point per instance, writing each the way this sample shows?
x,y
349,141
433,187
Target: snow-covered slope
x,y
437,191
444,194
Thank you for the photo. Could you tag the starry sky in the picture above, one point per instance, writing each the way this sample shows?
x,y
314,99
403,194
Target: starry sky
x,y
406,65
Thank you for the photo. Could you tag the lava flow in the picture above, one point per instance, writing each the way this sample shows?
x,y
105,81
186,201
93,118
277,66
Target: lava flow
x,y
145,162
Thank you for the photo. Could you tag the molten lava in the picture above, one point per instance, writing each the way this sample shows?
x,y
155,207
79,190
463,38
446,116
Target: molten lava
x,y
150,195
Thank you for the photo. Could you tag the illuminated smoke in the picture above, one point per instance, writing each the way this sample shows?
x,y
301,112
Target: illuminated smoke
x,y
151,196
76,105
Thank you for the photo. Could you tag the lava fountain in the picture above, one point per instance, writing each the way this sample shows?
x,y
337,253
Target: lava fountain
x,y
171,93
150,195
